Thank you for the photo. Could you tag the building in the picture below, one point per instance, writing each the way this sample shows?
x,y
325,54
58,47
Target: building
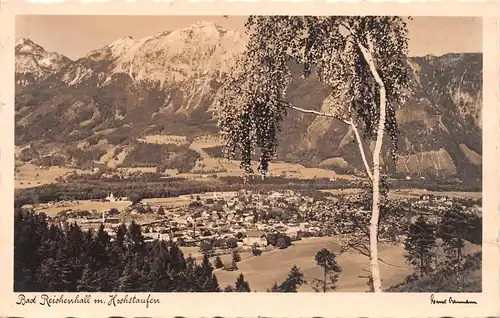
x,y
63,223
111,197
255,237
112,220
425,197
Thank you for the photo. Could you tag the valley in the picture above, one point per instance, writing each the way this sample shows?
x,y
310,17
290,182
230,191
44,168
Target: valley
x,y
121,174
221,223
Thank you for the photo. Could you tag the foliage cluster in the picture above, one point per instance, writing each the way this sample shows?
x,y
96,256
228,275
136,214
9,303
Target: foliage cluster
x,y
168,156
293,281
454,227
165,188
444,279
48,259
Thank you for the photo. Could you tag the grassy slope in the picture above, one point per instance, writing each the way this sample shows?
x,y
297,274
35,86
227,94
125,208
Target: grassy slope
x,y
260,274
444,281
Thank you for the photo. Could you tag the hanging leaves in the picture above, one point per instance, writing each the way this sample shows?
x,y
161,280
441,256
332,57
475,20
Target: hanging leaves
x,y
252,103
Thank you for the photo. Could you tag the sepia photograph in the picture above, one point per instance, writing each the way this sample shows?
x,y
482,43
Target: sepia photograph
x,y
274,154
248,154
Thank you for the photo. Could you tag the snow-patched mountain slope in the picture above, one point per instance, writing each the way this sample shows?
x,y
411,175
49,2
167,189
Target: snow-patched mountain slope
x,y
172,57
167,83
33,63
168,58
187,62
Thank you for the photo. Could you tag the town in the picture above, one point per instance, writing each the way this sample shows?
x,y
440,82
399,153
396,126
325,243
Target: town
x,y
245,219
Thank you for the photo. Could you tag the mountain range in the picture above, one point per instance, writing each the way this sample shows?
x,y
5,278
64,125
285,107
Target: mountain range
x,y
100,105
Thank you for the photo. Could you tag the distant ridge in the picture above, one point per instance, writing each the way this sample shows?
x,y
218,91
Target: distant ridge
x,y
167,83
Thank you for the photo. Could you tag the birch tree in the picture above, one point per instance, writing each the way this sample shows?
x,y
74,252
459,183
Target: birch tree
x,y
363,60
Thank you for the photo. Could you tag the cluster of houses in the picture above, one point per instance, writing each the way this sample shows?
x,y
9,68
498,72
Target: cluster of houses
x,y
211,216
228,215
245,217
436,205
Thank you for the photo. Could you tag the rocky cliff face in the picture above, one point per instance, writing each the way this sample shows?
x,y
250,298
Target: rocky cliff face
x,y
440,126
166,84
34,64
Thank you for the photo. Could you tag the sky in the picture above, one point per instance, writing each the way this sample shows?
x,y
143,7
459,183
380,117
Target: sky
x,y
76,35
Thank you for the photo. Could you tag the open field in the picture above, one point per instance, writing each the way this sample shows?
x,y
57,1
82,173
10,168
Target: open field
x,y
29,176
227,168
168,202
418,192
164,139
260,274
207,141
262,271
411,193
84,205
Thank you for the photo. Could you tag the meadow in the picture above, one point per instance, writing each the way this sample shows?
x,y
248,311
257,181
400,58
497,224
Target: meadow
x,y
261,271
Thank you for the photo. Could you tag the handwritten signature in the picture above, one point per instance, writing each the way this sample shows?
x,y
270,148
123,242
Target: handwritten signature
x,y
450,300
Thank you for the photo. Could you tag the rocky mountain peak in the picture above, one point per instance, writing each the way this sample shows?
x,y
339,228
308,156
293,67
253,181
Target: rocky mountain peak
x,y
124,40
204,24
34,63
27,46
168,58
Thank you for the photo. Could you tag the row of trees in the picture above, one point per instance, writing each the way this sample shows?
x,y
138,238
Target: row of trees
x,y
92,190
422,248
51,260
48,259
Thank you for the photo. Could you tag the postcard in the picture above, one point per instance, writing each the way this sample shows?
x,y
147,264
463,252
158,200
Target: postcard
x,y
250,159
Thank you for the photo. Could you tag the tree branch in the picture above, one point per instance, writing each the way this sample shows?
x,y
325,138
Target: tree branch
x,y
367,254
360,248
360,251
308,111
351,31
390,265
347,122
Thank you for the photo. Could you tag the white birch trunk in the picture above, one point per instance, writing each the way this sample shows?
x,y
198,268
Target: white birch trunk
x,y
361,150
374,262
